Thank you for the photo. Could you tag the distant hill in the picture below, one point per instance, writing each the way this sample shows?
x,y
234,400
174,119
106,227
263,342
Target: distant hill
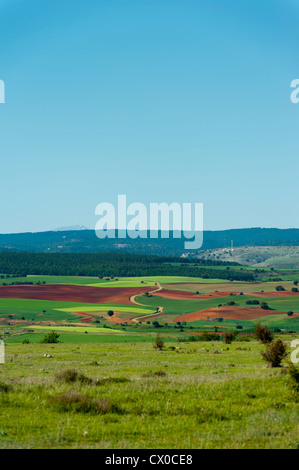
x,y
71,228
257,256
85,241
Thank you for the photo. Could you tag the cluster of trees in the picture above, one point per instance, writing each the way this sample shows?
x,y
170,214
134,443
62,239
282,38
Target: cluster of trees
x,y
113,264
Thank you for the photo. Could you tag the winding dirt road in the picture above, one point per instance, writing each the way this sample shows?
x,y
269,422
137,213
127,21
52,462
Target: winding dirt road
x,y
159,309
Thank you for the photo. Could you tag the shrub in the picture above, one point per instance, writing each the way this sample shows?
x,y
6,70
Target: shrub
x,y
110,313
112,380
25,341
263,333
208,337
275,353
158,373
294,378
228,337
279,288
264,305
290,313
51,337
70,376
5,388
72,401
159,342
294,289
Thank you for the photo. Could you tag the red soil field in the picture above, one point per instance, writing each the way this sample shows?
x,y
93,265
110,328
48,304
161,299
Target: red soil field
x,y
235,313
89,317
285,293
211,285
184,295
72,293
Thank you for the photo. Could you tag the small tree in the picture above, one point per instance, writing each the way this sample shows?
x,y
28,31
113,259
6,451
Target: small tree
x,y
110,313
294,289
289,314
264,306
275,353
51,337
263,333
159,342
228,337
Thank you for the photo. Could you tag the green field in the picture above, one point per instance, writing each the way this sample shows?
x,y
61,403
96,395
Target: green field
x,y
50,310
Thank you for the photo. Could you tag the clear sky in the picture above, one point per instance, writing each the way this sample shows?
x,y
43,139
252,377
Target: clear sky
x,y
161,100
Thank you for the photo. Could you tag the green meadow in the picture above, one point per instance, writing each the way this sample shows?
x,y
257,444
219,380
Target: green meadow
x,y
130,396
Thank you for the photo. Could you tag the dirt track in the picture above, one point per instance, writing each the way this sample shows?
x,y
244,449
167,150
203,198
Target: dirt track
x,y
159,309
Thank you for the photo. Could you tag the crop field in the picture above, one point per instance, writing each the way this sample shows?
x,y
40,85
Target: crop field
x,y
125,393
175,304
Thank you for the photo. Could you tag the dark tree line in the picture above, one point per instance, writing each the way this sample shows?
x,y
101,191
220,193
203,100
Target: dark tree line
x,y
114,264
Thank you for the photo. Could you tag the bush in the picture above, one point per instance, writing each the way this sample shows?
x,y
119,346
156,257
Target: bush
x,y
208,337
228,337
159,342
110,313
294,378
252,302
279,288
158,373
25,341
112,380
5,388
264,306
294,289
290,313
70,376
51,337
275,353
72,401
263,333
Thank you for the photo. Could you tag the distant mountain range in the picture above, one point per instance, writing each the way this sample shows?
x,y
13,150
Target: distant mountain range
x,y
82,240
71,228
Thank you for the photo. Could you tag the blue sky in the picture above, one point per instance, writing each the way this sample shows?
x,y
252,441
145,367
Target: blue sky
x,y
185,101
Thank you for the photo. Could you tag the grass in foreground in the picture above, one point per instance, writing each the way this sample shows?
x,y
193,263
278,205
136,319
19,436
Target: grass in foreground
x,y
189,395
